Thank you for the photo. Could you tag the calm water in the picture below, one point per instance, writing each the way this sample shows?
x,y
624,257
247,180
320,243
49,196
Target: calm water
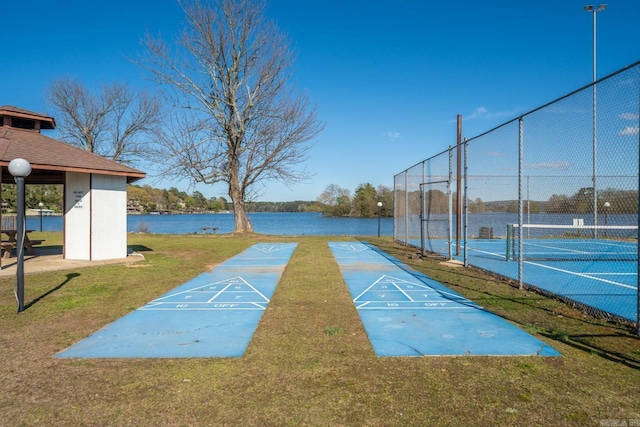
x,y
314,224
498,221
265,223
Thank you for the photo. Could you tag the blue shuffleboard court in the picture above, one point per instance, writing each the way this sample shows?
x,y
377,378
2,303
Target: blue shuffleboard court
x,y
406,313
213,315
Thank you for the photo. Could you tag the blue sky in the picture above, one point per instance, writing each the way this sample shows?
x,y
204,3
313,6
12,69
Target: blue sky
x,y
388,76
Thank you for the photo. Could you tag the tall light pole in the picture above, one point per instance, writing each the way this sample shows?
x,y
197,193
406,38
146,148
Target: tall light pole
x,y
20,169
379,207
594,10
40,205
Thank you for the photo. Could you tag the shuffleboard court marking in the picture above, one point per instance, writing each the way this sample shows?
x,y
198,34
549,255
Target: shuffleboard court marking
x,y
392,293
352,247
267,249
230,294
212,315
406,313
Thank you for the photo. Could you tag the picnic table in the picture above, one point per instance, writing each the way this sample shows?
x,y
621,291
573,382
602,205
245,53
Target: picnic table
x,y
213,230
12,242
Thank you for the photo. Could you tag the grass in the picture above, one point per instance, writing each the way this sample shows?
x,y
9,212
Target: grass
x,y
309,362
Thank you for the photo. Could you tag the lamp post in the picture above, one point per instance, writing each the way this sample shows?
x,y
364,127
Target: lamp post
x,y
606,215
379,207
20,169
40,205
594,10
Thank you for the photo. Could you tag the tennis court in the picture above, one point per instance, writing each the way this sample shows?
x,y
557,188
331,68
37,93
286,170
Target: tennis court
x,y
555,164
594,267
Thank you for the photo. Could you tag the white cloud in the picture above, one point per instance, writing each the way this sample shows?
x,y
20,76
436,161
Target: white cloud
x,y
393,135
628,116
629,130
478,113
558,164
495,153
484,113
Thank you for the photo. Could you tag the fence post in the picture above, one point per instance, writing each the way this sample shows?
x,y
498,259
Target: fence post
x,y
466,205
520,228
509,241
450,201
406,208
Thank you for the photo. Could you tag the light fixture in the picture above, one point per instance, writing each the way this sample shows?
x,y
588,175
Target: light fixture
x,y
20,169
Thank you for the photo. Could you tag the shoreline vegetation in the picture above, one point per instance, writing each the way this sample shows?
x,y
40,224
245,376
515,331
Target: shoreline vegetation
x,y
335,201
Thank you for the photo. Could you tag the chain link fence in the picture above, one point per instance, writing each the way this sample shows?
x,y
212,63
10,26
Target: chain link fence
x,y
549,199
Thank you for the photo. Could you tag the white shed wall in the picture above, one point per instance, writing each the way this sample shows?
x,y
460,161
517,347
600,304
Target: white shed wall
x,y
77,216
95,220
109,217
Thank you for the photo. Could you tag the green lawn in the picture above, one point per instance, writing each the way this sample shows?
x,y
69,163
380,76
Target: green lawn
x,y
309,362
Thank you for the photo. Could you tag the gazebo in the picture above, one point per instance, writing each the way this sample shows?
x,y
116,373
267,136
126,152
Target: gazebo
x,y
95,188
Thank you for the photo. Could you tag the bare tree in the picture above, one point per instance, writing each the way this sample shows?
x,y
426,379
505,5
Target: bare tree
x,y
117,123
336,200
241,123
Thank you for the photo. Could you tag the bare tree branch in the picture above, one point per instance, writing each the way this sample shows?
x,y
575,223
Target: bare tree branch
x,y
117,123
241,123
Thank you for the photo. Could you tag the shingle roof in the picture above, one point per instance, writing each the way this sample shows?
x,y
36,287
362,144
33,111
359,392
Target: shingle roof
x,y
50,158
46,122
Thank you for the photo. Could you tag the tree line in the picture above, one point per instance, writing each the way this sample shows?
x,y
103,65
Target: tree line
x,y
49,195
333,201
610,201
142,199
337,201
146,199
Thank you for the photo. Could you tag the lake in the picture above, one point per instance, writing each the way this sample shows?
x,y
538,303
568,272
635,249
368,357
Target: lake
x,y
311,223
285,223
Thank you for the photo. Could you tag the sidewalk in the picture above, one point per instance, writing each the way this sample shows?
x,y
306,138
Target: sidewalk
x,y
50,259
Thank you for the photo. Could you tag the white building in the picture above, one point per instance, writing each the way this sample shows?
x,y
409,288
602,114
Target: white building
x,y
95,188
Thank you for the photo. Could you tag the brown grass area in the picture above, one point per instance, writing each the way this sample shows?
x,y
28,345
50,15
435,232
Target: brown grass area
x,y
309,362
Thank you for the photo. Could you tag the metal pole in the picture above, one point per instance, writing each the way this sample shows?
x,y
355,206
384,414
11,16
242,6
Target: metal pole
x,y
520,232
450,203
466,207
379,206
459,186
595,134
20,168
20,243
423,209
528,207
594,10
638,236
406,208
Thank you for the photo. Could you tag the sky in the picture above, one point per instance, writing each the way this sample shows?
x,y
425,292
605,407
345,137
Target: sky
x,y
389,77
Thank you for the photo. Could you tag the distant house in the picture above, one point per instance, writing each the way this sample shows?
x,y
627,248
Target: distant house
x,y
95,188
38,212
